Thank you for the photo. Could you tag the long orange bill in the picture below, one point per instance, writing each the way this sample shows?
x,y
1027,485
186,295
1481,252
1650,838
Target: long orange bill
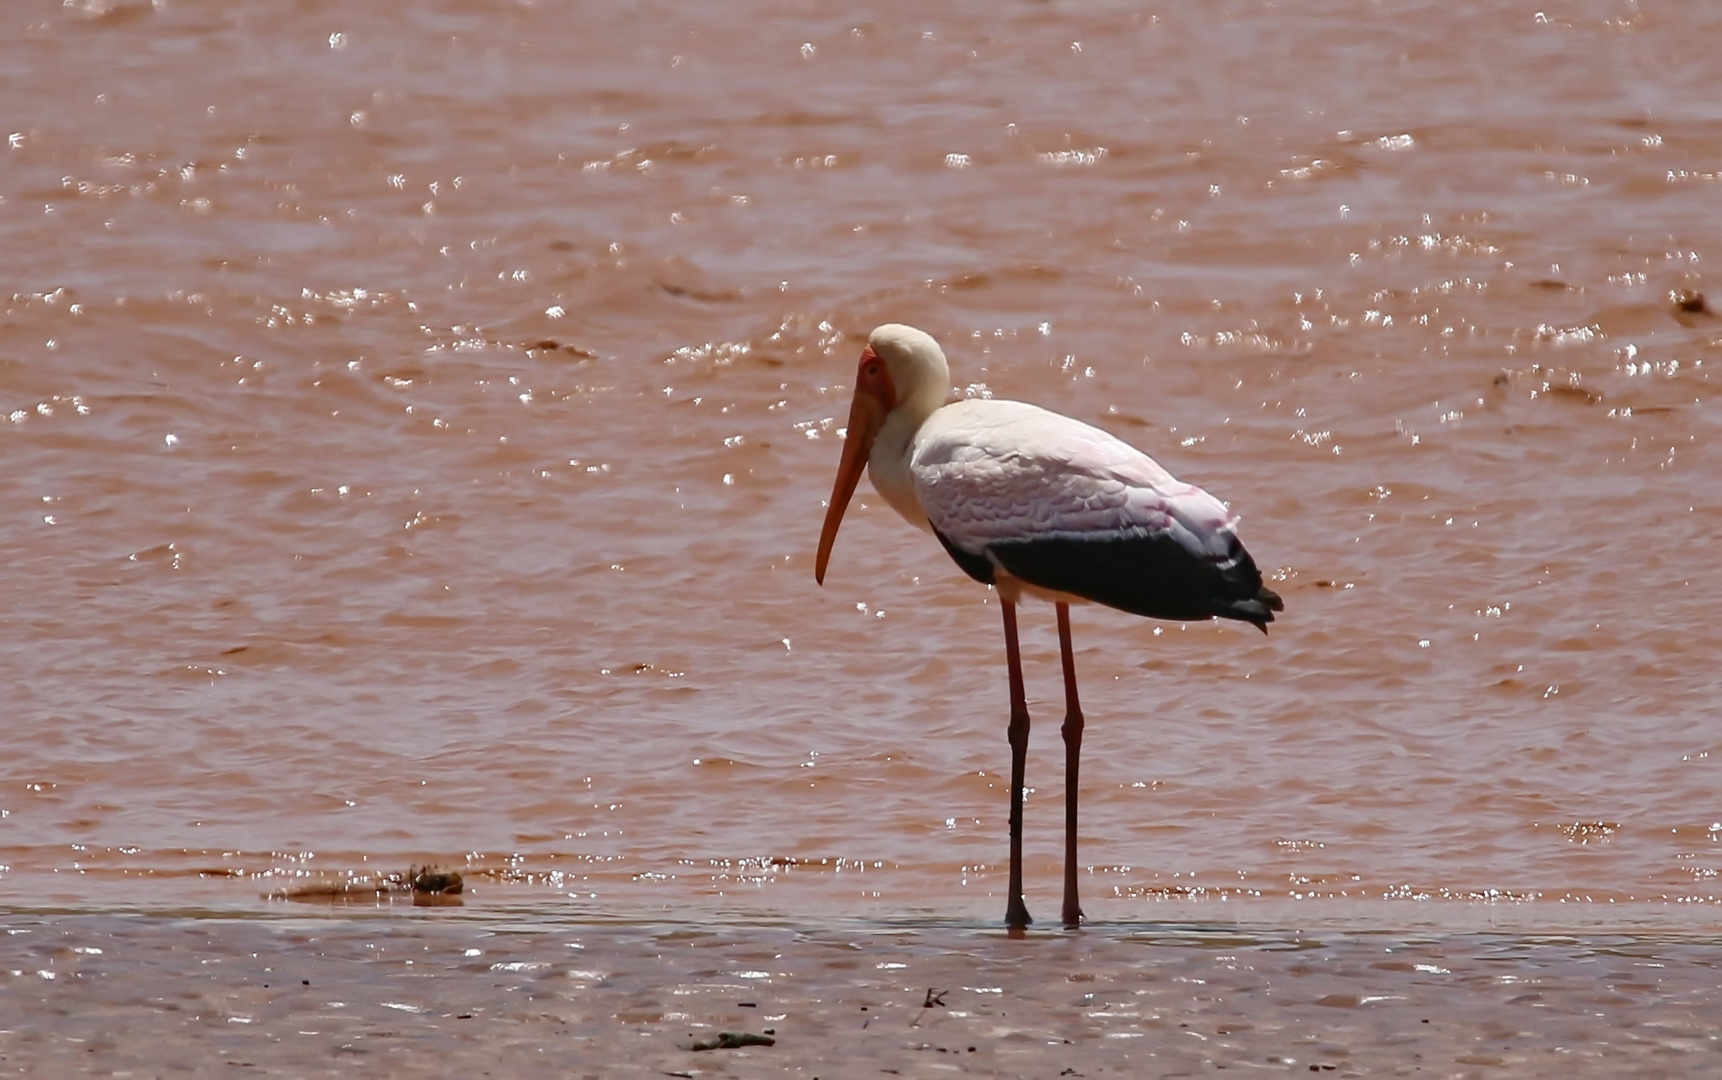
x,y
866,417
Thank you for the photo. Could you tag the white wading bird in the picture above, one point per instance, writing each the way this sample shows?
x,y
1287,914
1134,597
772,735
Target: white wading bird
x,y
1031,502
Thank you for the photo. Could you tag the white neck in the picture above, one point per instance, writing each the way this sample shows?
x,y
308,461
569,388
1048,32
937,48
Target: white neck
x,y
888,465
922,381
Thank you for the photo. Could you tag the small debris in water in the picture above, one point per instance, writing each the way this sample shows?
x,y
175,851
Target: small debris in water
x,y
734,1040
427,885
552,345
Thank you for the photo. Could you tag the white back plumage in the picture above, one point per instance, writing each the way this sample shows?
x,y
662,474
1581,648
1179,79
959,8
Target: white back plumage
x,y
1005,471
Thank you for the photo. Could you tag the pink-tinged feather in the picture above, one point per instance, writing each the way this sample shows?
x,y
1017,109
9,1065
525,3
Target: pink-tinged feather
x,y
987,472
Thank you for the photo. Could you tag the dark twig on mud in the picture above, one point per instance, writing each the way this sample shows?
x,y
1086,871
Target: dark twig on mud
x,y
934,999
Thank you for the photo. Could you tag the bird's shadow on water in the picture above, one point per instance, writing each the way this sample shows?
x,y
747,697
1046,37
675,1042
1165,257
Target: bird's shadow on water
x,y
1194,934
931,931
1514,953
1511,943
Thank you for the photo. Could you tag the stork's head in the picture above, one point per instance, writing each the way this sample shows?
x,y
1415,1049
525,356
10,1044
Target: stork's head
x,y
902,370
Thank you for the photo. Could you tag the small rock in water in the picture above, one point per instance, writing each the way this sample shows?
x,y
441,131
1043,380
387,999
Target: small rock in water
x,y
1689,302
431,879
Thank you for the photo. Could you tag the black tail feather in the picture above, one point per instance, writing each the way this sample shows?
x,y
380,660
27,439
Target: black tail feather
x,y
1148,574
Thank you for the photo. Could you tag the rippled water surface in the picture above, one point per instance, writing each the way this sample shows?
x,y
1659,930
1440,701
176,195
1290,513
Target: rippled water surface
x,y
417,421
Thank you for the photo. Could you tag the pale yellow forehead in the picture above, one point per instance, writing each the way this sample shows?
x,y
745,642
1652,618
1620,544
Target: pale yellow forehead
x,y
901,339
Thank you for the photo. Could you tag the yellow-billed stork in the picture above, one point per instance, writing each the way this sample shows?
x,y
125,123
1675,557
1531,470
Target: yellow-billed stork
x,y
1034,503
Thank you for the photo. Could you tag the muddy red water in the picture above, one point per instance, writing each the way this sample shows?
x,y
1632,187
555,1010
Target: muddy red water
x,y
417,423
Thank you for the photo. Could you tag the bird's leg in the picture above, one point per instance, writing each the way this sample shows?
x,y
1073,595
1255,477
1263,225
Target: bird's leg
x,y
1072,731
1016,912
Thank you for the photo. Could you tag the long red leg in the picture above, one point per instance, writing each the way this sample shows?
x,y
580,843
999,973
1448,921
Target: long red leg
x,y
1016,912
1072,731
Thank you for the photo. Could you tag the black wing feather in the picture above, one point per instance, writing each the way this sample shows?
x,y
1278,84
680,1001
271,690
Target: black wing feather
x,y
1143,573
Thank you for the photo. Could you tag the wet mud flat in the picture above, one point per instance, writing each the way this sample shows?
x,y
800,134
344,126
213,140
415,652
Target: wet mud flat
x,y
449,994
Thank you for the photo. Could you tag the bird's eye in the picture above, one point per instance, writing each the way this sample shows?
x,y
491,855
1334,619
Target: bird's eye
x,y
872,370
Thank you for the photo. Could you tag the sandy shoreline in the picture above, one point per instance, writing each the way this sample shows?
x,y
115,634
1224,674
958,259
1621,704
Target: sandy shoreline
x,y
448,993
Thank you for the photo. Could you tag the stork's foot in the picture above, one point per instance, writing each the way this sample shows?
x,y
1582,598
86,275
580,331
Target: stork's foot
x,y
1072,915
1016,914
